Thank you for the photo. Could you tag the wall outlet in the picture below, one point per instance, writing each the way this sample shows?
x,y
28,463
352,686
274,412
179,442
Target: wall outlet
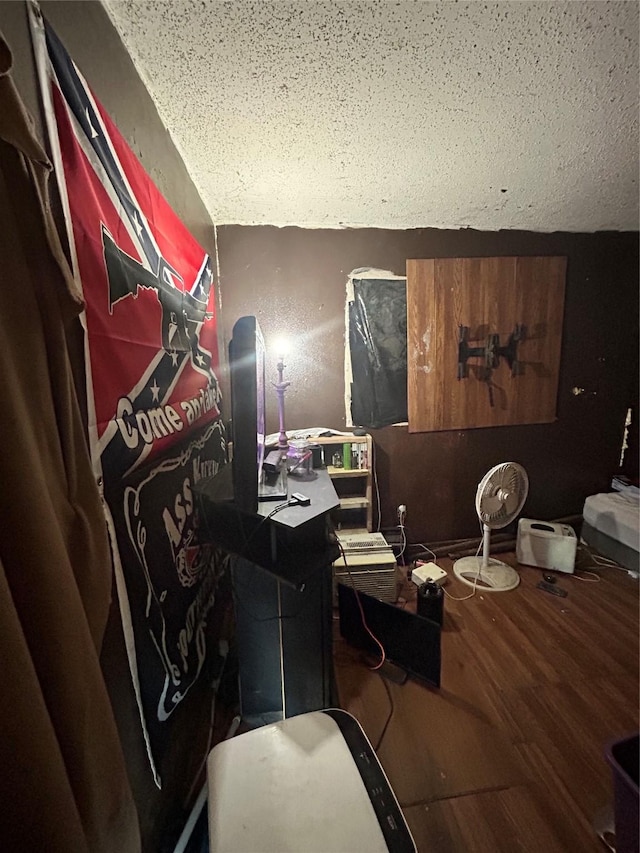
x,y
428,572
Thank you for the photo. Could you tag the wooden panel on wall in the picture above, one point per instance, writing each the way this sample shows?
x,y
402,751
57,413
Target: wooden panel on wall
x,y
489,296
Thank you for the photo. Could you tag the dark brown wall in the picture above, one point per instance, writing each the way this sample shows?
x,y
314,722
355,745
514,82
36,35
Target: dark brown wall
x,y
294,281
93,43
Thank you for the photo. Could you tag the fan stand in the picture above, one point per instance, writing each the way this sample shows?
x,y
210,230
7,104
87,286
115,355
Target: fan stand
x,y
485,573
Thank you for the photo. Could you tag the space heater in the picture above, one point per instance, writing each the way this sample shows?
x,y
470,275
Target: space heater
x,y
547,545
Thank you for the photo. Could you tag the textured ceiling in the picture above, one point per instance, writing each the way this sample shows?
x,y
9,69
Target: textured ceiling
x,y
398,115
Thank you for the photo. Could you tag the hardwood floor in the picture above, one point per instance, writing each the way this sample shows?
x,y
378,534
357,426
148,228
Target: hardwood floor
x,y
509,753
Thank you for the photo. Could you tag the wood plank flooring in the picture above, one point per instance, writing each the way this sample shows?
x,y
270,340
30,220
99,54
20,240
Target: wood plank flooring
x,y
509,753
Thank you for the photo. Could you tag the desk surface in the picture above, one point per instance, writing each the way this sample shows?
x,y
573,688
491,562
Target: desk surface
x,y
292,544
321,492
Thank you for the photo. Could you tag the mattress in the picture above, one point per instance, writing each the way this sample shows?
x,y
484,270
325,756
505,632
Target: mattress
x,y
612,525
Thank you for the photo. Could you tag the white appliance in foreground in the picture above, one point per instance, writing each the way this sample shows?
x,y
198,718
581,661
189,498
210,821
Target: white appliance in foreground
x,y
546,545
370,565
309,783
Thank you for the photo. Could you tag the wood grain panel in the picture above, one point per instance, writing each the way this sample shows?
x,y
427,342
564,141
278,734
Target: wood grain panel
x,y
489,296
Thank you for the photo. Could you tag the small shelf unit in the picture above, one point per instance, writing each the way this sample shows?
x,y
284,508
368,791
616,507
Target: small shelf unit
x,y
352,479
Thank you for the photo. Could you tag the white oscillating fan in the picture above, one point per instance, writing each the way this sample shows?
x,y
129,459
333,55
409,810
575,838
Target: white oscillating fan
x,y
500,497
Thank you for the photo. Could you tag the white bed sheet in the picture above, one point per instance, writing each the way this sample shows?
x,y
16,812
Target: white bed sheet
x,y
617,514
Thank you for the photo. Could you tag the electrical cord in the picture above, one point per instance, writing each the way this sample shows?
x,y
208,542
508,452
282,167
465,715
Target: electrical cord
x,y
291,502
605,563
279,508
235,585
382,651
389,715
475,581
362,616
375,482
247,541
428,550
403,540
241,519
435,560
600,562
596,577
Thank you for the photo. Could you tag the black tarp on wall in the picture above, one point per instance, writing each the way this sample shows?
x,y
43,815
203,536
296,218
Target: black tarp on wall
x,y
378,351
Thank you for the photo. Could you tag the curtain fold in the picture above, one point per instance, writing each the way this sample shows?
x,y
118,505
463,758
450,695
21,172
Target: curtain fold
x,y
63,783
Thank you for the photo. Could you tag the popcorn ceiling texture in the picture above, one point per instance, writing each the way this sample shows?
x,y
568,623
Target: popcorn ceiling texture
x,y
520,115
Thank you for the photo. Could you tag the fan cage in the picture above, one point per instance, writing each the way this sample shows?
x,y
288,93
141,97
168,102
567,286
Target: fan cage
x,y
506,486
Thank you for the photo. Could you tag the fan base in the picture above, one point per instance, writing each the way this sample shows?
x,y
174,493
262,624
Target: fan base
x,y
494,577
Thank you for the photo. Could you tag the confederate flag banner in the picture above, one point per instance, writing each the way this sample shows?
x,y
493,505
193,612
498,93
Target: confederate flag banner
x,y
151,356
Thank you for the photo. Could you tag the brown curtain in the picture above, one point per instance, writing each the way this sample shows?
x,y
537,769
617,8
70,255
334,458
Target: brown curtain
x,y
63,784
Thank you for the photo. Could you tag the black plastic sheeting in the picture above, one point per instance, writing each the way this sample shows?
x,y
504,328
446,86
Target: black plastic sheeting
x,y
378,345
